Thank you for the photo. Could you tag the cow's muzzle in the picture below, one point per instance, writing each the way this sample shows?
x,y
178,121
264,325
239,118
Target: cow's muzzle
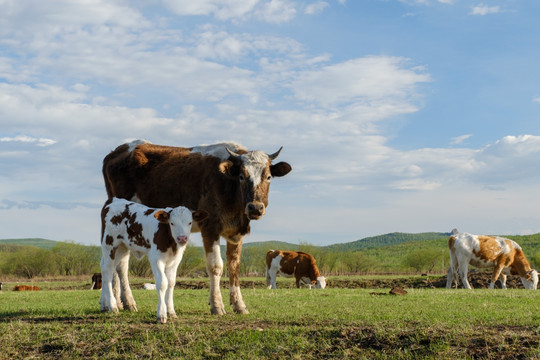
x,y
182,240
255,210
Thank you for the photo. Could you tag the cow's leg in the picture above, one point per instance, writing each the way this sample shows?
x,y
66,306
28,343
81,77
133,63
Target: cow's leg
x,y
271,278
503,280
107,300
234,252
495,276
463,269
122,254
214,268
450,277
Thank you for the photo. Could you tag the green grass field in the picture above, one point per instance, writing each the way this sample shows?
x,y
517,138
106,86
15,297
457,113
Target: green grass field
x,y
282,324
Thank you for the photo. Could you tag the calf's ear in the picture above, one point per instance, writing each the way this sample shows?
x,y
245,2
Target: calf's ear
x,y
162,216
200,215
280,169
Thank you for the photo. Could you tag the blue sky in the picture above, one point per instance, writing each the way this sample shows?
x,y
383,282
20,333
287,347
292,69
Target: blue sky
x,y
396,115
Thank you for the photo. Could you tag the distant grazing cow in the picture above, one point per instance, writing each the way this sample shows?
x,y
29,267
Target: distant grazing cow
x,y
226,180
96,282
503,255
148,286
26,288
292,263
162,234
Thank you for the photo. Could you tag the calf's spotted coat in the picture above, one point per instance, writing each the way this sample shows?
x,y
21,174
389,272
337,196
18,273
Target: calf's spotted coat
x,y
162,234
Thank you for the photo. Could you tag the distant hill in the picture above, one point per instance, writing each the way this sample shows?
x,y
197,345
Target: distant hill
x,y
390,239
378,241
272,245
37,242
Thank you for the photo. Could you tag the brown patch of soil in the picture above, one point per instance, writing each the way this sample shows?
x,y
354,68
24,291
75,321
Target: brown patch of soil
x,y
477,280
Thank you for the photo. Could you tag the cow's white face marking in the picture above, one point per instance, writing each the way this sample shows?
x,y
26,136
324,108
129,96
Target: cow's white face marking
x,y
255,162
321,282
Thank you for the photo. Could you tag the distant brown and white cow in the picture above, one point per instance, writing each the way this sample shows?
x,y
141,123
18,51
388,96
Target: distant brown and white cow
x,y
26,288
226,180
162,234
96,282
503,255
293,263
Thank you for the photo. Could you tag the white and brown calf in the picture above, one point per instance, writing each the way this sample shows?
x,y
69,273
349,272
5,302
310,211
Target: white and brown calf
x,y
503,255
162,234
292,263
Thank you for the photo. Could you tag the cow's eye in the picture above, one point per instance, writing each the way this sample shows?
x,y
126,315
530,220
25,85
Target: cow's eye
x,y
241,177
269,178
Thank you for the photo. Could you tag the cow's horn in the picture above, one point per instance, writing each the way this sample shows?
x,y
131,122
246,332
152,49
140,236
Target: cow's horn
x,y
275,155
232,153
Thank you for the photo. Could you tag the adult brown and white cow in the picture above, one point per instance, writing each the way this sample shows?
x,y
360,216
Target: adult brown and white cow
x,y
230,183
505,256
293,263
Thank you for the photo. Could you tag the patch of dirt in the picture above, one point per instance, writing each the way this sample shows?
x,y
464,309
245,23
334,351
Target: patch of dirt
x,y
477,280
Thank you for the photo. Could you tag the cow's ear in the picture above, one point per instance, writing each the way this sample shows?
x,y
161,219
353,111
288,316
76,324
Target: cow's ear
x,y
200,215
280,169
225,166
228,168
162,216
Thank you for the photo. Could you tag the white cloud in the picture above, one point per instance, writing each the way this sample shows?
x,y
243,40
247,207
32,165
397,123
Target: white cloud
x,y
460,139
537,99
28,139
277,11
483,9
370,78
316,7
221,9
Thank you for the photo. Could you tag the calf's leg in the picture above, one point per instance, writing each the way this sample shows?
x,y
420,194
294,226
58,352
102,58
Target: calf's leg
x,y
170,272
107,300
122,268
158,268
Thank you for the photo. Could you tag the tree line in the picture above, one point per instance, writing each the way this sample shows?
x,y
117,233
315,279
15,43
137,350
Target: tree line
x,y
71,259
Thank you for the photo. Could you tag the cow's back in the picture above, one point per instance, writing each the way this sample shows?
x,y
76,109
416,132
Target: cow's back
x,y
158,176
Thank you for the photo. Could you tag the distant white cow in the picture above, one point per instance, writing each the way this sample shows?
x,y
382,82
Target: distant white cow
x,y
162,234
503,255
148,286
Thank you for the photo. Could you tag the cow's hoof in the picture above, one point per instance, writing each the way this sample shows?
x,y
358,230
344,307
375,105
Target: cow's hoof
x,y
173,316
131,307
217,311
242,311
162,319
